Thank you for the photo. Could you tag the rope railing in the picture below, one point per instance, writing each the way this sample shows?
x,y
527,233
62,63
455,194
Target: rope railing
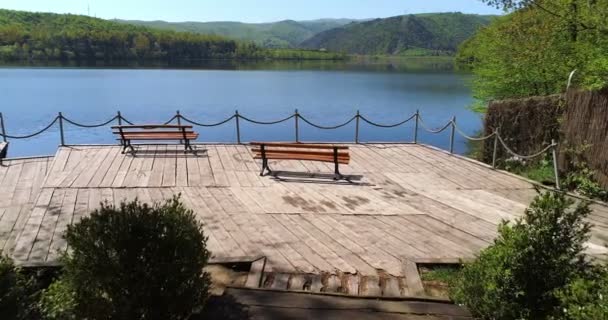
x,y
266,122
103,124
328,127
375,124
357,118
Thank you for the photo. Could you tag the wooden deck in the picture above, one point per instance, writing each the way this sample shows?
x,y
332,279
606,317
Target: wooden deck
x,y
409,202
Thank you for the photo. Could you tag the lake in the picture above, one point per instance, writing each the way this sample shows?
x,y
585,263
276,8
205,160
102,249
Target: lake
x,y
326,93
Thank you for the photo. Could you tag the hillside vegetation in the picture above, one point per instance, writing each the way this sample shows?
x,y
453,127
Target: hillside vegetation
x,y
420,34
282,34
28,36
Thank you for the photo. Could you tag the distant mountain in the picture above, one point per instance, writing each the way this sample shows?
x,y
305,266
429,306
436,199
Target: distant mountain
x,y
420,34
282,34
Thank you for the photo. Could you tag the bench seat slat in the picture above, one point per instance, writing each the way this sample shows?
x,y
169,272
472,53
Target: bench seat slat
x,y
306,152
299,145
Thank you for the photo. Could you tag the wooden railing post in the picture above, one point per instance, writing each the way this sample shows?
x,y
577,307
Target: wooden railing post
x,y
555,167
416,126
494,153
452,135
238,127
297,116
2,127
357,127
119,118
61,129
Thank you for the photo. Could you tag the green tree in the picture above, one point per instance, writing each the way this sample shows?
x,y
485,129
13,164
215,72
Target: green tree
x,y
533,49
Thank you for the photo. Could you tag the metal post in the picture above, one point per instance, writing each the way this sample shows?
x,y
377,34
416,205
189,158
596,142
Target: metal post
x,y
416,126
179,122
297,115
61,129
495,147
238,127
555,170
452,135
357,127
119,118
2,127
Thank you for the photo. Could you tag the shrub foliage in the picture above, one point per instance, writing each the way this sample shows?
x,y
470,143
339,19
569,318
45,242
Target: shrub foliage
x,y
135,262
520,275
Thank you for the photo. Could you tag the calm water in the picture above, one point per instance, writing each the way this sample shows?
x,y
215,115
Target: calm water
x,y
327,94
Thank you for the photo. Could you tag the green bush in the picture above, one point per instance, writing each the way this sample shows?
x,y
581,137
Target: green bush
x,y
58,301
16,294
519,276
586,298
133,262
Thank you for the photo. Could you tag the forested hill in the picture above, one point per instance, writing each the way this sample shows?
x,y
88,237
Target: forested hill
x,y
28,36
420,34
282,34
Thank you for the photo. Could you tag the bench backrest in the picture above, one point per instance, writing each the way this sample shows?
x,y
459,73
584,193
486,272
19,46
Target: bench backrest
x,y
153,129
299,145
301,151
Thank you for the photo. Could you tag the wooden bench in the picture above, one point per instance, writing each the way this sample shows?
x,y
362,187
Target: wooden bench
x,y
300,151
154,132
3,150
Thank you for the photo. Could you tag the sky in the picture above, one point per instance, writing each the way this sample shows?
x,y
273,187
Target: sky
x,y
246,10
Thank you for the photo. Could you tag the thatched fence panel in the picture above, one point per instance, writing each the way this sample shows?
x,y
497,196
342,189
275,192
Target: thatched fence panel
x,y
585,123
526,125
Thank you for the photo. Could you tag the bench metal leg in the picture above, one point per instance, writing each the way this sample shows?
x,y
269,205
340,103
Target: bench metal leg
x,y
265,167
188,146
337,174
129,146
125,145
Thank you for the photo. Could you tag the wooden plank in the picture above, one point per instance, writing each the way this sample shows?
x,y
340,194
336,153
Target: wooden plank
x,y
156,174
46,230
132,174
170,167
370,286
373,254
412,279
91,165
217,169
110,175
254,278
314,262
181,175
391,287
145,172
280,281
330,257
25,241
297,282
343,247
122,172
194,171
58,244
57,167
81,208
